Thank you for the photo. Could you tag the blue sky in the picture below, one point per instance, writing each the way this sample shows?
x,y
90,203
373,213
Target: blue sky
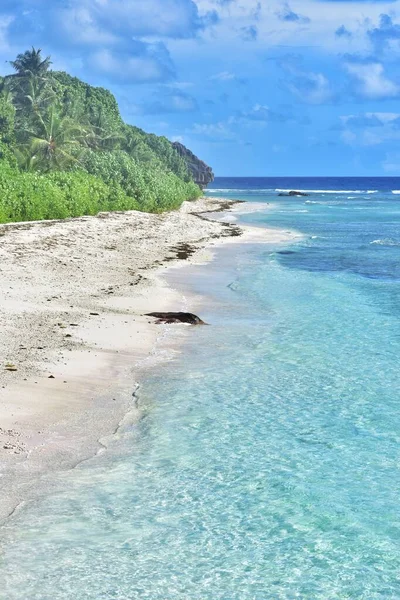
x,y
254,87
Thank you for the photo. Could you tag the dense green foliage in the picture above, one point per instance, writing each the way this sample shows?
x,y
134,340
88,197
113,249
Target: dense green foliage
x,y
157,188
65,150
33,196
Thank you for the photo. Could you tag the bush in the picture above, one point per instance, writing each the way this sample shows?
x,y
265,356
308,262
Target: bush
x,y
85,194
153,188
28,197
34,197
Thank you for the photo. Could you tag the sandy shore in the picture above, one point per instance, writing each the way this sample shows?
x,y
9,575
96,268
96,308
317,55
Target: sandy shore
x,y
74,338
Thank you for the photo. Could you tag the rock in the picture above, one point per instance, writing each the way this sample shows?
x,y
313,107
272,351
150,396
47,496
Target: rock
x,y
176,317
202,174
293,193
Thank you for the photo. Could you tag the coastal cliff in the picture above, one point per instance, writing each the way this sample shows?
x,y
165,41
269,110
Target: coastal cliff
x,y
201,173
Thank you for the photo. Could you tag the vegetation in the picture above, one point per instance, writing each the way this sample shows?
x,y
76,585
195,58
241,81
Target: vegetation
x,y
65,150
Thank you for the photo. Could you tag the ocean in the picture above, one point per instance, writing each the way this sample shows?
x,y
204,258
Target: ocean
x,y
266,461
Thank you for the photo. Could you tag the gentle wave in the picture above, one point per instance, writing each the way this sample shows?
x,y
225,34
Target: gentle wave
x,y
282,190
331,191
386,242
317,202
242,190
286,191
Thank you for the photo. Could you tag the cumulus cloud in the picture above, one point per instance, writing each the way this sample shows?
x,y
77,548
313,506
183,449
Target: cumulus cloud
x,y
162,18
312,88
249,34
169,101
361,121
370,119
227,77
343,32
308,86
370,81
370,128
287,15
257,12
218,132
224,76
263,114
383,36
149,65
111,35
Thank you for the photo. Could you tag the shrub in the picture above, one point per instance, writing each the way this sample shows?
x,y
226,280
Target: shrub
x,y
154,189
33,197
85,194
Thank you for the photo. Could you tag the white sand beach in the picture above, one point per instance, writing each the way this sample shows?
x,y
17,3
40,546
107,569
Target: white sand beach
x,y
74,338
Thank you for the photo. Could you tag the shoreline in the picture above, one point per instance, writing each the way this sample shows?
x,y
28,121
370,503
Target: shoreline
x,y
74,296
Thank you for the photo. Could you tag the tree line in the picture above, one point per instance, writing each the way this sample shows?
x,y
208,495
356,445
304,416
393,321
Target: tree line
x,y
65,150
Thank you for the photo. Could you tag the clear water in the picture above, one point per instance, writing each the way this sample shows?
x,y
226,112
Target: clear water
x,y
266,464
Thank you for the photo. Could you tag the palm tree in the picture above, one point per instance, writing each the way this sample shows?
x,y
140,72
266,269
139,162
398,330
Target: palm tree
x,y
55,142
39,95
31,64
30,84
102,135
27,159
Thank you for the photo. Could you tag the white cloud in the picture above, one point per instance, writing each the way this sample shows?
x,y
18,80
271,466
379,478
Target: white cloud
x,y
223,76
370,128
219,131
79,26
169,101
138,18
325,19
381,117
371,81
125,68
312,88
260,113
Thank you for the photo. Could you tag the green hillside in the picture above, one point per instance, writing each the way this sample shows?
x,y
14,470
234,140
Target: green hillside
x,y
65,150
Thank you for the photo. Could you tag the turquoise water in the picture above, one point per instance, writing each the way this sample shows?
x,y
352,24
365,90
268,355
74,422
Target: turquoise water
x,y
266,464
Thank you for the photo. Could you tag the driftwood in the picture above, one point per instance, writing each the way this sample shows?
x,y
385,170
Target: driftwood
x,y
176,317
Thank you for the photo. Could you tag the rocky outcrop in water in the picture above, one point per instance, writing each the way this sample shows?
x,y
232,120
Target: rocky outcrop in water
x,y
293,193
202,174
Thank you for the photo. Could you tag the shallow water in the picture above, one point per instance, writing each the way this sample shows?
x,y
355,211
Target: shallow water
x,y
266,464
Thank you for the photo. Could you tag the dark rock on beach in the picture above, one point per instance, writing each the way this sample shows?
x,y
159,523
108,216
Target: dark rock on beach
x,y
176,317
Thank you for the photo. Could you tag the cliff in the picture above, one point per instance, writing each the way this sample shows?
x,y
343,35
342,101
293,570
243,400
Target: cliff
x,y
201,173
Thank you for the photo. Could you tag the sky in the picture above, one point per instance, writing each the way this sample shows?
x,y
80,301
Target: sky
x,y
253,87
